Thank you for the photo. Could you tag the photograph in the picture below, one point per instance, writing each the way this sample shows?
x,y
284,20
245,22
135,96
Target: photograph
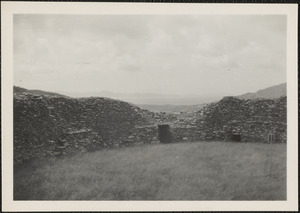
x,y
167,105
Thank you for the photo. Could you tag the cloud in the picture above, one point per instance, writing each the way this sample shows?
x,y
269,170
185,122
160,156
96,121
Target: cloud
x,y
180,54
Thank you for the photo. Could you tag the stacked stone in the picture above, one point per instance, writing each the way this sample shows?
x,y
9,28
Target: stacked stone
x,y
146,134
57,125
252,119
47,126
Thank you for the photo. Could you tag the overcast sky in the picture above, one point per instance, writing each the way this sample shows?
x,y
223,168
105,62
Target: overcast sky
x,y
170,54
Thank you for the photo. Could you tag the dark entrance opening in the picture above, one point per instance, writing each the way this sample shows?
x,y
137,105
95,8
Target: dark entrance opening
x,y
164,134
236,137
271,138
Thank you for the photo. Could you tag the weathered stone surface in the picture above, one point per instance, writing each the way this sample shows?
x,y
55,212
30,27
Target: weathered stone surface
x,y
50,126
253,120
57,124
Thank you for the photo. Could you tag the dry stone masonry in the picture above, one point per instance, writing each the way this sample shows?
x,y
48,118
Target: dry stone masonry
x,y
55,125
51,126
252,120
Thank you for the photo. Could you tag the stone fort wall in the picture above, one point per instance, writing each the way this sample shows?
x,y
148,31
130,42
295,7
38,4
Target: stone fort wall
x,y
48,126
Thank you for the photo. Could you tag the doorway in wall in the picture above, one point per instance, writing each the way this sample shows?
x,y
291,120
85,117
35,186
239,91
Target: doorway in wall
x,y
164,133
236,137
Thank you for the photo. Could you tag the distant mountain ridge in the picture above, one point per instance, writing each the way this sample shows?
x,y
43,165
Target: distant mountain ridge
x,y
20,91
167,103
110,94
148,98
276,91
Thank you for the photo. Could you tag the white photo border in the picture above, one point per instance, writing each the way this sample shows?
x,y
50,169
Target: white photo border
x,y
8,9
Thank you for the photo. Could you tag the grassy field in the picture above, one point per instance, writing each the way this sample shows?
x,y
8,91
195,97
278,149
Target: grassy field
x,y
182,171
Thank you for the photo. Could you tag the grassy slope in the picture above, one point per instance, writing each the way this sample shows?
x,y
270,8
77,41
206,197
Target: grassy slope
x,y
184,171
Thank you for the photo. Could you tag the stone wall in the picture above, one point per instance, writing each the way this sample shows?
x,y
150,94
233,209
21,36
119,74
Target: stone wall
x,y
56,125
50,126
253,120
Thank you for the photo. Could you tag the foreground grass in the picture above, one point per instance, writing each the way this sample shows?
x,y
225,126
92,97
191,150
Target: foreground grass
x,y
183,171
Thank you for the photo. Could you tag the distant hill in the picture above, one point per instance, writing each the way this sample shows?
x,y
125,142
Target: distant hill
x,y
149,98
268,93
21,91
